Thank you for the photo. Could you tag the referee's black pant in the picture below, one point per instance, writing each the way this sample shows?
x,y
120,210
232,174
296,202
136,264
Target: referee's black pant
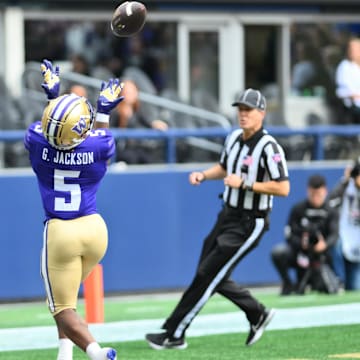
x,y
234,235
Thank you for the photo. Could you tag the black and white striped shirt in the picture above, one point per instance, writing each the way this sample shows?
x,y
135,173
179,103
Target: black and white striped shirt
x,y
259,159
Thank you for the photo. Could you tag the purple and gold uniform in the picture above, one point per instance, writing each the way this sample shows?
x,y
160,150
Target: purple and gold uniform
x,y
75,235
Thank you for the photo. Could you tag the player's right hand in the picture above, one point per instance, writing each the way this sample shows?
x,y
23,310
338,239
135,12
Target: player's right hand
x,y
51,84
109,96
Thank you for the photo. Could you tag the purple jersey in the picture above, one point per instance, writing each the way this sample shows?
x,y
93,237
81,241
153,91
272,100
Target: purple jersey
x,y
68,180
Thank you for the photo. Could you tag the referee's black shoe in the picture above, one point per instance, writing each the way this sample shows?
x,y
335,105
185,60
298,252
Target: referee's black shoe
x,y
165,341
256,330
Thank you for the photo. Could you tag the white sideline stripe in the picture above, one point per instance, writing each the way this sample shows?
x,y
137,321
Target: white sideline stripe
x,y
45,337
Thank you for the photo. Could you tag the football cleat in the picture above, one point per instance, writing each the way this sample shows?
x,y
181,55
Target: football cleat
x,y
256,330
165,341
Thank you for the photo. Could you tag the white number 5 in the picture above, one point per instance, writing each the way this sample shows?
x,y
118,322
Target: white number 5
x,y
73,189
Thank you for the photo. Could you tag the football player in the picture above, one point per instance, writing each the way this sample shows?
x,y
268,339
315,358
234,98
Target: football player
x,y
69,159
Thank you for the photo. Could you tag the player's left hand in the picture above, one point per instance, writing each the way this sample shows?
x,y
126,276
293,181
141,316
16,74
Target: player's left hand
x,y
51,84
109,96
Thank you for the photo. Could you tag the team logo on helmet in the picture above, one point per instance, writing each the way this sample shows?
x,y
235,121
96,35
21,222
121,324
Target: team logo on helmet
x,y
66,121
80,127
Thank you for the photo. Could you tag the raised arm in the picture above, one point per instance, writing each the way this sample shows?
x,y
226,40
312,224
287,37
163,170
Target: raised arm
x,y
51,75
108,99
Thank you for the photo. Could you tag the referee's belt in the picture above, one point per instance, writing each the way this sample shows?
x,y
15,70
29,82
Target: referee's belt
x,y
254,213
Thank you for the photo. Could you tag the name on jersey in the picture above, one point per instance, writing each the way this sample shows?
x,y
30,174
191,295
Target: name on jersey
x,y
69,158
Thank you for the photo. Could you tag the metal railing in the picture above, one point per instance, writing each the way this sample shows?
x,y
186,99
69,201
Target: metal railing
x,y
90,82
318,133
205,137
208,118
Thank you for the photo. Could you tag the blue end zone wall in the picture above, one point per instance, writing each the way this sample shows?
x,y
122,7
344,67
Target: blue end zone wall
x,y
156,221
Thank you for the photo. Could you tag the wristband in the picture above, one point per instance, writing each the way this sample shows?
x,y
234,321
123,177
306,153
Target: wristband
x,y
102,118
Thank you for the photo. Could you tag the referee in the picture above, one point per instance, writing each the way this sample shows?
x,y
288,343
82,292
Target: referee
x,y
254,169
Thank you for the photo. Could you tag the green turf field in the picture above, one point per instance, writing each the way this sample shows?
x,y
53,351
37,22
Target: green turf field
x,y
324,342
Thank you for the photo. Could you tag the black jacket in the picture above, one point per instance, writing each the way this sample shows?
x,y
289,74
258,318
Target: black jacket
x,y
302,216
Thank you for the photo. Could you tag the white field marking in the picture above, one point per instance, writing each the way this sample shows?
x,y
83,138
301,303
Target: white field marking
x,y
43,337
148,309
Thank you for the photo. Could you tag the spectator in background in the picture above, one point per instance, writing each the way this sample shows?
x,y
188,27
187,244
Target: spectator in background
x,y
102,68
348,80
78,90
92,39
80,65
311,232
304,71
331,57
346,197
76,35
130,115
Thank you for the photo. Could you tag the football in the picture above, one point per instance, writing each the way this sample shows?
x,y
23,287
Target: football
x,y
128,18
